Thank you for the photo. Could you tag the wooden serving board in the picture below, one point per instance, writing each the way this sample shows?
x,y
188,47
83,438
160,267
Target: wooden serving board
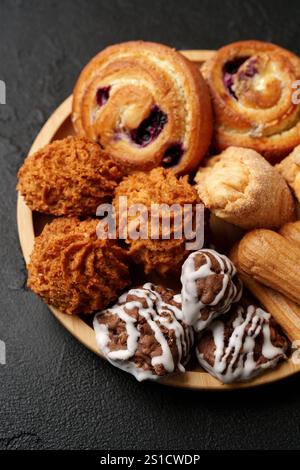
x,y
30,224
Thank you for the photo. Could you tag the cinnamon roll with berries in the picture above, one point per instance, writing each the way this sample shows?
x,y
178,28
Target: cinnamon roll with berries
x,y
252,84
146,105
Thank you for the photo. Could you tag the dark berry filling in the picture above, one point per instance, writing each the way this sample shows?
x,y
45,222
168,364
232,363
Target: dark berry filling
x,y
150,128
229,70
102,95
250,70
228,80
172,155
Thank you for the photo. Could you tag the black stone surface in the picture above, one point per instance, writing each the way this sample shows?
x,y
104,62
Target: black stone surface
x,y
53,392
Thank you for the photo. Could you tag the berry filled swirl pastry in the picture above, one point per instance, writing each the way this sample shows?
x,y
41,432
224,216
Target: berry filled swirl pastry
x,y
146,105
252,86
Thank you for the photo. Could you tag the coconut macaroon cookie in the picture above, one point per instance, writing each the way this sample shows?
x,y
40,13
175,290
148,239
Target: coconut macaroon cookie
x,y
143,334
72,176
73,270
159,249
209,286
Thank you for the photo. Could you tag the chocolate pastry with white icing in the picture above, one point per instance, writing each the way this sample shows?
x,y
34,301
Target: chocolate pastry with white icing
x,y
209,286
241,344
143,333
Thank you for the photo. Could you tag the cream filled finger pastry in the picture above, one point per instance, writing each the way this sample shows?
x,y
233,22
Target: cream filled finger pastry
x,y
146,105
209,286
241,345
143,334
252,87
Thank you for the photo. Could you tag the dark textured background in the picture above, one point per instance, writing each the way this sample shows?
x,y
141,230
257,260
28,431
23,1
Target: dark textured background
x,y
53,392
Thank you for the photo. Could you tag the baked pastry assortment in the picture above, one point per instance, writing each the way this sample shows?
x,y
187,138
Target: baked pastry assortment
x,y
142,116
252,86
143,335
146,105
241,187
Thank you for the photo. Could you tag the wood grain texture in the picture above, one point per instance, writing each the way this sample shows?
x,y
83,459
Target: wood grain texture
x,y
59,126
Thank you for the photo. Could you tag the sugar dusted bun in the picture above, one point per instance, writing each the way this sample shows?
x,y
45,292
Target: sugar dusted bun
x,y
143,333
241,187
146,105
251,83
209,286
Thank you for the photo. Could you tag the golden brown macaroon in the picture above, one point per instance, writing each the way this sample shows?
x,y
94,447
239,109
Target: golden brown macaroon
x,y
159,186
68,177
73,270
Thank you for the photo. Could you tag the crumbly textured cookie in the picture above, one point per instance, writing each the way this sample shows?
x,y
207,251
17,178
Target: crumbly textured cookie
x,y
251,84
290,170
209,286
147,105
241,187
241,344
73,270
68,177
143,334
159,186
270,259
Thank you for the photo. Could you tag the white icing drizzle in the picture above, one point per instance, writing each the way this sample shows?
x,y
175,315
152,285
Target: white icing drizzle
x,y
155,306
192,306
235,362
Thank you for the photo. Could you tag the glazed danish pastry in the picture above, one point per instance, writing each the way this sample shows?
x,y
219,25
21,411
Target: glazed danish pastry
x,y
252,84
146,105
